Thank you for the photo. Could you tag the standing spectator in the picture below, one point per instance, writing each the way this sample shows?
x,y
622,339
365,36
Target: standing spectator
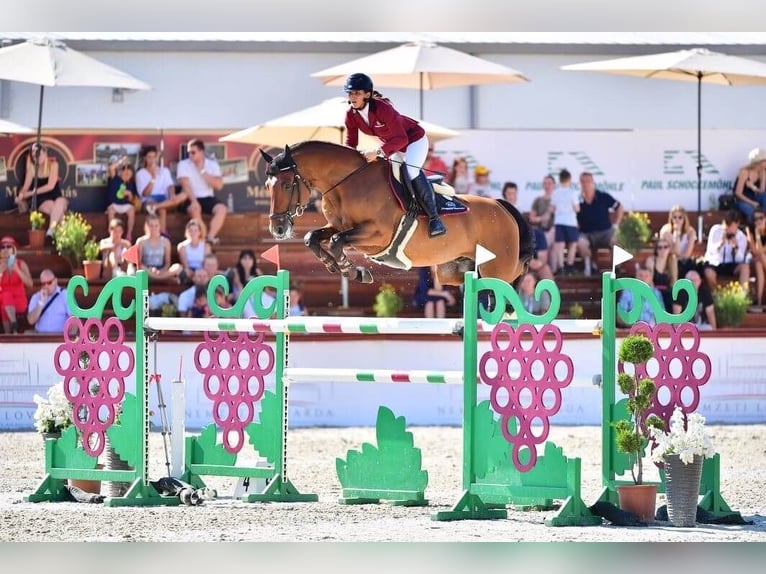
x,y
757,238
154,253
541,215
595,220
458,175
121,189
481,185
566,205
750,185
682,236
200,177
192,250
430,295
112,249
15,279
49,198
704,316
510,192
434,165
539,263
48,308
156,187
726,251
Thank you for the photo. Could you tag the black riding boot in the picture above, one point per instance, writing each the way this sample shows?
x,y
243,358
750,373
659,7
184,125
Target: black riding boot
x,y
424,193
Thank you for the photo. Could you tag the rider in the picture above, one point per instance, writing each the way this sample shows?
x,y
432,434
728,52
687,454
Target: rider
x,y
375,116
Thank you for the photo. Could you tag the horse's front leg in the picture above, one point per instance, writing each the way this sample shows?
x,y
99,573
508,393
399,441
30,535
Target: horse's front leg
x,y
335,247
314,239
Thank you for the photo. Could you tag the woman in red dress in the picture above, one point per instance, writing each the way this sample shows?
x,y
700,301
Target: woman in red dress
x,y
15,279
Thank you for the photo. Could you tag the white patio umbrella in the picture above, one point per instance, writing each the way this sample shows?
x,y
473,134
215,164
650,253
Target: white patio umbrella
x,y
696,65
324,121
7,127
422,66
48,62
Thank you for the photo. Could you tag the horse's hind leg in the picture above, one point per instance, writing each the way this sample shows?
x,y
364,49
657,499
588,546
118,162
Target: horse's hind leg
x,y
335,247
313,240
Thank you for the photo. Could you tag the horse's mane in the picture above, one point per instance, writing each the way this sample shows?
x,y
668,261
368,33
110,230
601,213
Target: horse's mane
x,y
339,151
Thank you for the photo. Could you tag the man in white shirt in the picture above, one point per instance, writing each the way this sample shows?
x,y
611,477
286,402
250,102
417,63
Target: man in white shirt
x,y
726,251
156,187
200,177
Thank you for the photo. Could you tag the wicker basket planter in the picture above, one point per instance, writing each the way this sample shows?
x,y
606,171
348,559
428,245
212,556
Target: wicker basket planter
x,y
682,485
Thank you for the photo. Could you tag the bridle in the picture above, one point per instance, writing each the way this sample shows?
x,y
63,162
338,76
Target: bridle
x,y
295,189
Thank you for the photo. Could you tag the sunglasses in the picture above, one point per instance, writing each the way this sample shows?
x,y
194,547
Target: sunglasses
x,y
678,217
6,246
759,218
663,246
49,282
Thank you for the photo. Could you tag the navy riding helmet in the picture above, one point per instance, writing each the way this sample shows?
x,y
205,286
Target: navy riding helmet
x,y
358,82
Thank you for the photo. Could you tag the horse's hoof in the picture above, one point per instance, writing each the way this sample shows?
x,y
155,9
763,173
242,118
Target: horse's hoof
x,y
363,275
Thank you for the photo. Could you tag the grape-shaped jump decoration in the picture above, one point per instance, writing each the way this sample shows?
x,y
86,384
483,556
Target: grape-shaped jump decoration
x,y
94,362
526,379
231,365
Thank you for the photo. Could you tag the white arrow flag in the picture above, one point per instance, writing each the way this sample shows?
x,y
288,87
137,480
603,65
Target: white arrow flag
x,y
619,255
483,255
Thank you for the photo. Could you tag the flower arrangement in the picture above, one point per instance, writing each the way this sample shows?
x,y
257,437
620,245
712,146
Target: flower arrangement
x,y
54,413
387,302
91,250
36,220
731,303
634,231
633,435
70,237
687,438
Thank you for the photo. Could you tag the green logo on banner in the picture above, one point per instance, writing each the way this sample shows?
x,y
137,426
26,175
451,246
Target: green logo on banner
x,y
558,160
681,162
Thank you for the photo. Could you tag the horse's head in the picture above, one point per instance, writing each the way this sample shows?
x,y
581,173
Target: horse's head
x,y
284,186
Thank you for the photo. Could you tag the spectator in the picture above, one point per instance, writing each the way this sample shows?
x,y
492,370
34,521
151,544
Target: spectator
x,y
201,277
200,308
726,252
527,287
481,185
431,296
539,263
434,165
664,270
48,308
192,250
566,205
541,215
595,220
200,177
297,307
156,187
458,175
627,301
49,198
750,185
510,192
682,237
121,189
756,236
244,271
154,253
112,249
15,279
704,316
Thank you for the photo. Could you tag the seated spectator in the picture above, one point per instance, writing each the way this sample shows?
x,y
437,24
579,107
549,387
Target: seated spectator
x,y
598,215
682,236
627,301
112,248
750,185
434,165
244,271
50,201
566,204
154,253
526,292
201,277
48,308
431,296
200,308
458,175
192,250
664,269
481,185
121,189
15,279
200,177
156,187
756,236
704,316
726,252
297,307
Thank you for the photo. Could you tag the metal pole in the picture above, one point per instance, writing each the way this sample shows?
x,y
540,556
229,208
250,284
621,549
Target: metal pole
x,y
699,156
421,96
37,148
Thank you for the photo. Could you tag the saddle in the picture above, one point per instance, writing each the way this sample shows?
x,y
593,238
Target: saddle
x,y
446,202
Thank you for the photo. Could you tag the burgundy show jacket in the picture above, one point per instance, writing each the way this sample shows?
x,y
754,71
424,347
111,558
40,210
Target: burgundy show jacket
x,y
394,130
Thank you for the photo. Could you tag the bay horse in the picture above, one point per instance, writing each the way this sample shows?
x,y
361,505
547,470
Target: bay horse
x,y
362,212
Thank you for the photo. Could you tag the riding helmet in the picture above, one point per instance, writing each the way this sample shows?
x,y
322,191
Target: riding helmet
x,y
358,82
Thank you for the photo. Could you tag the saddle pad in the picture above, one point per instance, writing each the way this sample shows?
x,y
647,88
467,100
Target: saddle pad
x,y
445,204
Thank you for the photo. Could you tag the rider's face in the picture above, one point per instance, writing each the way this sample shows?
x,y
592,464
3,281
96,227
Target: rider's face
x,y
358,98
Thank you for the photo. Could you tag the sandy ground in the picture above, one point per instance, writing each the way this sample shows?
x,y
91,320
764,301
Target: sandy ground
x,y
312,455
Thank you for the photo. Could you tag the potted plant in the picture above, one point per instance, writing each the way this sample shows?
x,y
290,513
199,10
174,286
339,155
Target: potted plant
x,y
36,230
91,264
387,302
731,303
70,236
681,451
632,436
54,412
634,231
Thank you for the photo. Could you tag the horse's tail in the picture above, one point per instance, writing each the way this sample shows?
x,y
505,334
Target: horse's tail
x,y
526,238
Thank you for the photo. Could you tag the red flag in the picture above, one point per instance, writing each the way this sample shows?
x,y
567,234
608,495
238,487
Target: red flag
x,y
131,254
272,254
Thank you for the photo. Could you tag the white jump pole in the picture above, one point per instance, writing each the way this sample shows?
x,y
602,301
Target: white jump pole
x,y
178,432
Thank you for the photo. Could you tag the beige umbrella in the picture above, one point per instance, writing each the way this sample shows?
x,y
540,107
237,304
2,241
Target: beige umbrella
x,y
7,127
325,121
696,65
422,66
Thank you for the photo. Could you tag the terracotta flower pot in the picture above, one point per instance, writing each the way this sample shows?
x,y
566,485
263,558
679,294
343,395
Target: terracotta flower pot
x,y
36,238
91,270
640,499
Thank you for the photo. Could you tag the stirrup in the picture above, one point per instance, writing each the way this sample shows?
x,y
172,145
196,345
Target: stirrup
x,y
436,227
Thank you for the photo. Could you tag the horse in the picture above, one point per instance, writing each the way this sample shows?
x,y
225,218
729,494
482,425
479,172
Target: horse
x,y
363,213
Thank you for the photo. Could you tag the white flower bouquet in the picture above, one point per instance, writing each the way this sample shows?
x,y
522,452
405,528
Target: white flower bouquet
x,y
686,440
53,414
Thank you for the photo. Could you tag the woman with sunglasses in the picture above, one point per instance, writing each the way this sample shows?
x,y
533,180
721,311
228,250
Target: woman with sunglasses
x,y
664,269
15,279
49,198
756,237
682,238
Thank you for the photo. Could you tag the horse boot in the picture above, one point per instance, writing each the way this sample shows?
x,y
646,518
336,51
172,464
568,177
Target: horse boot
x,y
424,193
